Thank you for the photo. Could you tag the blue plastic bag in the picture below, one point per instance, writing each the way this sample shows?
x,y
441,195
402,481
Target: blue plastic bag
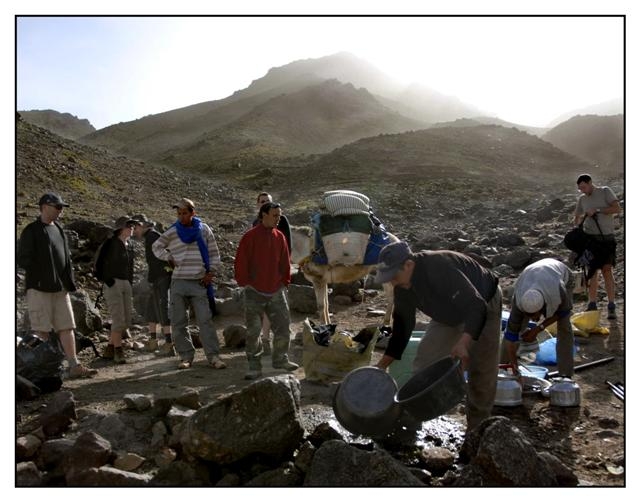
x,y
547,352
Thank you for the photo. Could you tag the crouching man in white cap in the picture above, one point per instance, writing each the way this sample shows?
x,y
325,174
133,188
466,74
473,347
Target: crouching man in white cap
x,y
544,289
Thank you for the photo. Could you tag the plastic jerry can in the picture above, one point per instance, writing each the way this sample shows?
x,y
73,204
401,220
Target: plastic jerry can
x,y
401,370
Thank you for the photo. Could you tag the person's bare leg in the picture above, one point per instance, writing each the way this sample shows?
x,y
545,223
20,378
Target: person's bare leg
x,y
609,282
593,287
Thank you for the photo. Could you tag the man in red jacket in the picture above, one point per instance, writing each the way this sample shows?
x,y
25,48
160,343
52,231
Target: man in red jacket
x,y
262,268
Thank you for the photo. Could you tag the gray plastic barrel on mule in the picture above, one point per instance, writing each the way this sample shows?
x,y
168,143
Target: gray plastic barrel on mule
x,y
434,390
364,402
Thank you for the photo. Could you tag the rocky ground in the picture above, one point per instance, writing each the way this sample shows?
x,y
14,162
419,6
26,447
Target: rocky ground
x,y
508,228
589,440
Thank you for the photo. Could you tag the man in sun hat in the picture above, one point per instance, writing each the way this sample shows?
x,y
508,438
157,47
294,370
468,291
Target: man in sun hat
x,y
192,252
43,252
543,289
114,267
464,301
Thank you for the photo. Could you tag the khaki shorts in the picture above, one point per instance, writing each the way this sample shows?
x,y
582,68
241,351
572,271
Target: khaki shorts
x,y
119,301
49,311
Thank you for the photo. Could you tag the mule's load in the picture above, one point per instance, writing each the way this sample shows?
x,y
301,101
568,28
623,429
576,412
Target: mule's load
x,y
344,226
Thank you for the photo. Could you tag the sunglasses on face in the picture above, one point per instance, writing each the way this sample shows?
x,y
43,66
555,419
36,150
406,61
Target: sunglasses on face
x,y
59,207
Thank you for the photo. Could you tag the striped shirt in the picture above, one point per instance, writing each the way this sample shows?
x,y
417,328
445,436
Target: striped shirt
x,y
189,264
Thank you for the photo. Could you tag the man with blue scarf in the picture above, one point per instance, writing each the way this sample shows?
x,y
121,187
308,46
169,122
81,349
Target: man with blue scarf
x,y
191,249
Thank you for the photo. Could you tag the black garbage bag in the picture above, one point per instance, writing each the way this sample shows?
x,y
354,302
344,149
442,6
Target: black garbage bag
x,y
364,337
323,332
40,361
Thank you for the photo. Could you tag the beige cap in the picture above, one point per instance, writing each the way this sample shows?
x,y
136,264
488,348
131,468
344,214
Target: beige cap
x,y
184,203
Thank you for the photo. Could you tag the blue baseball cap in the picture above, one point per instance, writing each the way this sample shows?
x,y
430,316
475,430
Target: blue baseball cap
x,y
53,199
391,259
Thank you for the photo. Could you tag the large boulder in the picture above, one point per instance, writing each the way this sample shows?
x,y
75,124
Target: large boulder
x,y
263,419
502,455
302,299
87,317
338,464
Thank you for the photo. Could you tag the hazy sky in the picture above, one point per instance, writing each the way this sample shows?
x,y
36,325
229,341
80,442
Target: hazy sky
x,y
526,70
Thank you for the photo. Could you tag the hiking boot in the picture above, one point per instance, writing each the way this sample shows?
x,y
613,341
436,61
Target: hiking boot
x,y
152,345
611,308
185,365
107,353
285,365
80,371
592,306
252,374
217,363
118,355
166,350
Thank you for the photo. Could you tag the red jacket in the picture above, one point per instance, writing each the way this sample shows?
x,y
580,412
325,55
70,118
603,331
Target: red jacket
x,y
262,260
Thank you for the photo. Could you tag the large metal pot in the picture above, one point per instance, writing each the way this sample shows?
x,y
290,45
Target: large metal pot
x,y
364,402
564,392
434,390
508,390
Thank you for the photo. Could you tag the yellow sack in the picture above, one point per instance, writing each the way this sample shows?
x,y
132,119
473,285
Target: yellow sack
x,y
583,323
586,321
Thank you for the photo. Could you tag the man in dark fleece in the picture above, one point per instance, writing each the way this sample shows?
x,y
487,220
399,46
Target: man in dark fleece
x,y
463,300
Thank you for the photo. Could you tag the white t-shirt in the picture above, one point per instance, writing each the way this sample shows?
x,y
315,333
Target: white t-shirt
x,y
600,198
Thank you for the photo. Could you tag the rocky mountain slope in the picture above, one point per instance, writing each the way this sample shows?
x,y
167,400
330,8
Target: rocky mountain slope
x,y
597,139
63,124
101,186
469,122
223,129
610,107
313,120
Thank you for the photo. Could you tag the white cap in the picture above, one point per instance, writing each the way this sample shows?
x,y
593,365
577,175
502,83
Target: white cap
x,y
531,301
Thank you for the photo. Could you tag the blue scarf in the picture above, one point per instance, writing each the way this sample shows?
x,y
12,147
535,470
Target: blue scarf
x,y
191,234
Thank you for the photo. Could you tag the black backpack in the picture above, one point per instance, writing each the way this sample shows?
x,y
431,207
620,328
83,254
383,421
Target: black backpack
x,y
40,361
577,240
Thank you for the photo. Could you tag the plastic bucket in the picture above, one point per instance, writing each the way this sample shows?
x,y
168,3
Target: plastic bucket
x,y
534,371
402,370
434,390
364,402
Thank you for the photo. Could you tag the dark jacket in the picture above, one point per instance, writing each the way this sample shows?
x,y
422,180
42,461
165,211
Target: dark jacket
x,y
449,287
157,267
115,261
35,256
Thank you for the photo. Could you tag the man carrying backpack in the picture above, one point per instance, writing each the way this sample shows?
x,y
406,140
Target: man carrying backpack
x,y
43,252
598,205
114,267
